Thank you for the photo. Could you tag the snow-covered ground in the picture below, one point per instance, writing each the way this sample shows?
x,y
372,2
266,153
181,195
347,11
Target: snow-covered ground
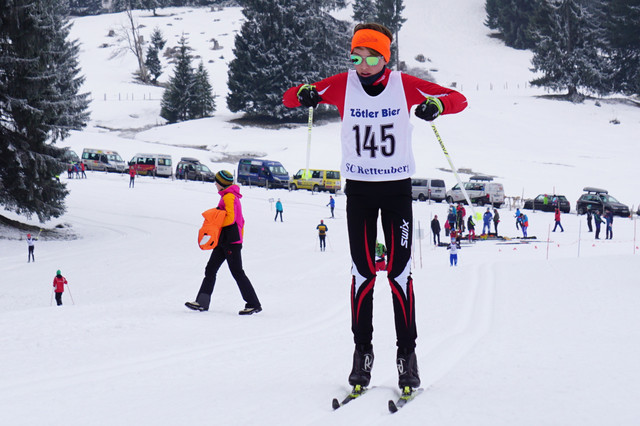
x,y
543,333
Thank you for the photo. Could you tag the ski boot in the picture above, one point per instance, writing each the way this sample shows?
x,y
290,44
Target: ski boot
x,y
407,363
362,364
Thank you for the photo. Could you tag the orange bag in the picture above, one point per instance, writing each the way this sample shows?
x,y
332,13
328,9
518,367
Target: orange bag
x,y
209,233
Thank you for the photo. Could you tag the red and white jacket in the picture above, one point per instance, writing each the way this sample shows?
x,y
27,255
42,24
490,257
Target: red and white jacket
x,y
58,283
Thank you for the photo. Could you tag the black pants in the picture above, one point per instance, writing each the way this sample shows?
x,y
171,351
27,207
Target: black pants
x,y
59,298
132,182
393,200
609,232
278,212
30,255
323,243
597,232
233,256
436,236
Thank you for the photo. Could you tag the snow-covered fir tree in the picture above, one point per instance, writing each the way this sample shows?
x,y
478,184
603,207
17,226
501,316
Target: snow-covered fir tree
x,y
622,33
283,43
389,14
363,11
39,104
85,7
202,102
157,39
177,98
514,19
568,51
152,62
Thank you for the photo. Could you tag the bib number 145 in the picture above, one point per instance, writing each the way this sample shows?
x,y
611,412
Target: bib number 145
x,y
370,141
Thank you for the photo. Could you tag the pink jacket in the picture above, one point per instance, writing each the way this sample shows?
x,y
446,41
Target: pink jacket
x,y
230,202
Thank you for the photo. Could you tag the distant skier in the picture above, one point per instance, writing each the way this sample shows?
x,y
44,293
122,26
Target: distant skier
x,y
322,235
524,224
517,216
332,205
31,242
58,285
454,246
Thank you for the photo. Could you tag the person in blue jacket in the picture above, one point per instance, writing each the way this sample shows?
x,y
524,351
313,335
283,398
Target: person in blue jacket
x,y
608,217
486,221
278,210
332,205
517,216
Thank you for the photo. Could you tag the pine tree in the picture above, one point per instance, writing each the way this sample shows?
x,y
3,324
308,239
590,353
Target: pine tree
x,y
157,39
623,44
568,49
283,43
152,62
363,11
389,14
177,98
515,21
85,7
202,102
39,104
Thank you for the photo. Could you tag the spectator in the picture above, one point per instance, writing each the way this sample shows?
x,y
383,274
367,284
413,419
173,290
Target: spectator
x,y
589,218
496,220
278,210
435,229
486,222
557,219
332,205
608,217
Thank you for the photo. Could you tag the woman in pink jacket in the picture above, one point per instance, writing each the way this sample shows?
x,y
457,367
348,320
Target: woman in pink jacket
x,y
229,248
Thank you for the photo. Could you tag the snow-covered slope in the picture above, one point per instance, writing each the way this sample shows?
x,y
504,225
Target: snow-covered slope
x,y
529,334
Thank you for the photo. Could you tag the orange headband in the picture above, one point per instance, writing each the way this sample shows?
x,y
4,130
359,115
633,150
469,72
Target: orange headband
x,y
374,40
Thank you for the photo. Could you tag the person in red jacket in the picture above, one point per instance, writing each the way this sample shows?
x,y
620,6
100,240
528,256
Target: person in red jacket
x,y
557,219
58,285
132,176
374,104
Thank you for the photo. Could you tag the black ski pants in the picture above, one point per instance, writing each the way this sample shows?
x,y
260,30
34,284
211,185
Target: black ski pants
x,y
233,255
365,200
30,255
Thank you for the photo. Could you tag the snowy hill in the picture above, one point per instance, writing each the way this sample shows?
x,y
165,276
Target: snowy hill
x,y
518,334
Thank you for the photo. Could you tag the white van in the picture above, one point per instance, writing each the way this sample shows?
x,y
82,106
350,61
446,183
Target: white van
x,y
481,191
152,164
423,189
98,159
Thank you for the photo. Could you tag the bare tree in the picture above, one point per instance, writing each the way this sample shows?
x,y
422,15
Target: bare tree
x,y
129,36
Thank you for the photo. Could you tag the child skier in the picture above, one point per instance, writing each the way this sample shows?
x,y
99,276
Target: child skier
x,y
58,285
31,243
454,246
374,104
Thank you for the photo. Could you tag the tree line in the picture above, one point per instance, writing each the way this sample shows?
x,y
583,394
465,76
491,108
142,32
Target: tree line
x,y
578,45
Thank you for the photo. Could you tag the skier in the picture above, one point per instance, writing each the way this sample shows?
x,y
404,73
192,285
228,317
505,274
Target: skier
x,y
58,284
374,104
517,216
31,242
435,228
486,222
279,210
322,234
524,224
332,205
454,246
557,220
229,248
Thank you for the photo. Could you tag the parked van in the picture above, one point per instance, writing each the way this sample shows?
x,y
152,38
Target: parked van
x,y
98,159
152,164
316,180
271,174
481,191
428,189
190,168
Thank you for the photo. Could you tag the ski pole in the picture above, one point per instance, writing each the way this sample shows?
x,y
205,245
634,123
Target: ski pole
x,y
51,303
453,168
309,127
69,289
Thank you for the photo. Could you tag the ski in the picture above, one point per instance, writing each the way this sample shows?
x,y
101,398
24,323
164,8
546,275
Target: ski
x,y
356,392
408,394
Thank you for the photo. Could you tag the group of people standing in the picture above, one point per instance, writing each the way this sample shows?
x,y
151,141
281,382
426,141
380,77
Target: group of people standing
x,y
608,221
